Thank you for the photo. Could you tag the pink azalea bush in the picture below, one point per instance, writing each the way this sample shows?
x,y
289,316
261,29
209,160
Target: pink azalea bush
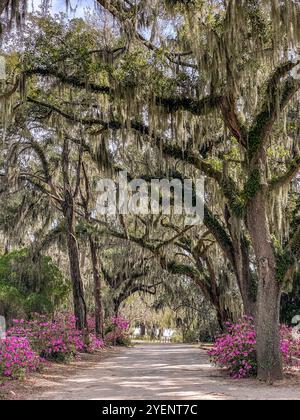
x,y
55,339
290,347
30,343
236,352
17,358
117,332
120,323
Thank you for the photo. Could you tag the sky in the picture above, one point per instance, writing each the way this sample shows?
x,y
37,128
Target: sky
x,y
60,6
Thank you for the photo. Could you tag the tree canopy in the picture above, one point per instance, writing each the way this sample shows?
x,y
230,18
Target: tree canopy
x,y
163,90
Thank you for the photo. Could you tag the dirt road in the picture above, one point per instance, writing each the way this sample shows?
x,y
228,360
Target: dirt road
x,y
161,372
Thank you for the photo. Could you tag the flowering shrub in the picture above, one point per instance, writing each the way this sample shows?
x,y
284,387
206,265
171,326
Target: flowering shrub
x,y
120,323
290,347
235,350
95,343
56,339
17,358
117,332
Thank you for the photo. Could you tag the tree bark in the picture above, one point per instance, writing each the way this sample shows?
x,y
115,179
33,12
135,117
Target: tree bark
x,y
223,316
68,206
244,277
116,309
80,311
213,294
3,6
240,261
99,312
269,357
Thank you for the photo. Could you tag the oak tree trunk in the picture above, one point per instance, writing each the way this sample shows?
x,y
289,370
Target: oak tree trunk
x,y
223,316
68,209
80,311
99,312
244,278
239,257
269,357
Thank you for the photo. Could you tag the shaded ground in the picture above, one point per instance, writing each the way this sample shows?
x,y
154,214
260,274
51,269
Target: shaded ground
x,y
155,371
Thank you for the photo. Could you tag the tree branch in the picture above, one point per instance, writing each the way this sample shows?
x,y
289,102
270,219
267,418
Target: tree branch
x,y
68,80
286,178
126,17
10,92
231,118
278,96
194,106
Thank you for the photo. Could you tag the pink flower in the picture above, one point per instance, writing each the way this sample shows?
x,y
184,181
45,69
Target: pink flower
x,y
29,343
236,351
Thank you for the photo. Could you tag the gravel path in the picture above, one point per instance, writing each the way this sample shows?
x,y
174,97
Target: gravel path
x,y
161,372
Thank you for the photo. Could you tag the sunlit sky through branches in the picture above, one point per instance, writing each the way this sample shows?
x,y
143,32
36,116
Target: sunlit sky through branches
x,y
77,9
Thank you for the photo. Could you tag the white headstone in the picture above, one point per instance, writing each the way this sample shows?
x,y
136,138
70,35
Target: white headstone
x,y
2,328
296,320
137,332
296,329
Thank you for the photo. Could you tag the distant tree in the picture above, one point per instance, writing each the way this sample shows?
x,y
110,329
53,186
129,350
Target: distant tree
x,y
30,285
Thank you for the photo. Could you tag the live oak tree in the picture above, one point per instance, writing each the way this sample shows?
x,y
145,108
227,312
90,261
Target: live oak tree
x,y
210,288
256,28
214,90
127,272
86,201
182,251
61,192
